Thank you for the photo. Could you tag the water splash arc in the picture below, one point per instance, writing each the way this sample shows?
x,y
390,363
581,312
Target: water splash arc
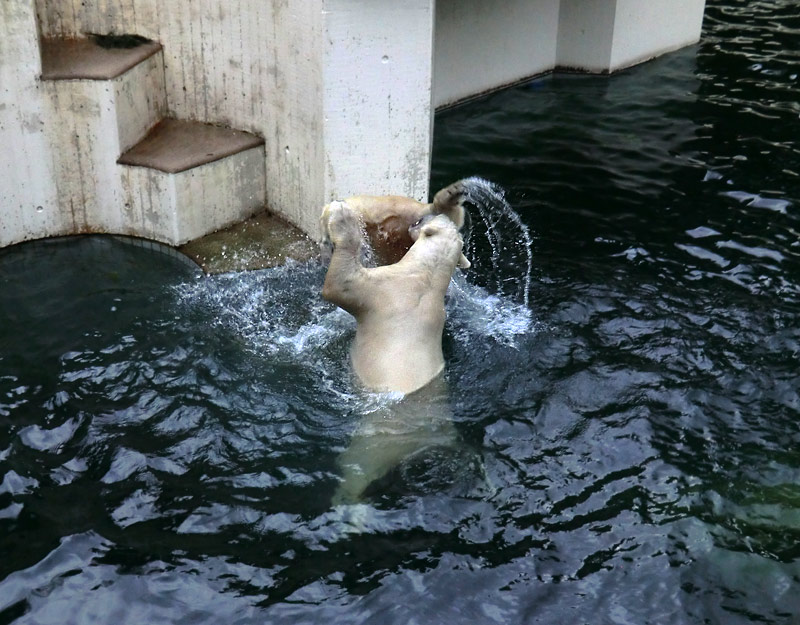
x,y
508,238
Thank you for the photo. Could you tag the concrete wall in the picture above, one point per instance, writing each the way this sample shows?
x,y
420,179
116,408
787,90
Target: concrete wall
x,y
27,180
217,57
484,44
377,72
343,91
255,65
260,65
289,77
89,124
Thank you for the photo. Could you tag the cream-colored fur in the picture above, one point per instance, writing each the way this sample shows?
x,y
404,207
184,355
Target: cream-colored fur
x,y
399,308
387,219
400,314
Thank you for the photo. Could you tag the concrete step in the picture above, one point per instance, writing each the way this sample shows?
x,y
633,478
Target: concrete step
x,y
99,102
93,58
186,179
98,82
262,241
174,146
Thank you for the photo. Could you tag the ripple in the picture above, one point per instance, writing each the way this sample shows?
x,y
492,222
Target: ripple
x,y
632,427
15,484
50,439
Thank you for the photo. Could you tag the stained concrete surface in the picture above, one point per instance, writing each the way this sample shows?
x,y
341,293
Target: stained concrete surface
x,y
76,59
258,243
175,145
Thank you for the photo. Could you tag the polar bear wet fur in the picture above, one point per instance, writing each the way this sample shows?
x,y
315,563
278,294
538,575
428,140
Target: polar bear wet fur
x,y
399,307
387,219
400,314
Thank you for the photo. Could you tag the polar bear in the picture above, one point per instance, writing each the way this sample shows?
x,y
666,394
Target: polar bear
x,y
392,437
400,314
399,308
387,219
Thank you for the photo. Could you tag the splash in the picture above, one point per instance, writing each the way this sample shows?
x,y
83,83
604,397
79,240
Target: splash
x,y
474,312
510,265
279,312
275,310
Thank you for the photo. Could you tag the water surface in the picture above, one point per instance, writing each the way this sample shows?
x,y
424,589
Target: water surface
x,y
168,442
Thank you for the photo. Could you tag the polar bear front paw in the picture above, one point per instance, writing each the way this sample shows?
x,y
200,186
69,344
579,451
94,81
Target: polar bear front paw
x,y
450,201
343,224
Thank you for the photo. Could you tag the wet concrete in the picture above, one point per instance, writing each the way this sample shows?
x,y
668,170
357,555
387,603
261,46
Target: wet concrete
x,y
258,243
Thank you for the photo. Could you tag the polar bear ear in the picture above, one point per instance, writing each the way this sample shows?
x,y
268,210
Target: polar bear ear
x,y
429,229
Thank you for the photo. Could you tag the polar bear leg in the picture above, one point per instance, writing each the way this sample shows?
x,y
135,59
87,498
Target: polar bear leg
x,y
346,279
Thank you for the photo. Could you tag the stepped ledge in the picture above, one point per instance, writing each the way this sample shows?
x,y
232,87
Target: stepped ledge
x,y
86,59
176,145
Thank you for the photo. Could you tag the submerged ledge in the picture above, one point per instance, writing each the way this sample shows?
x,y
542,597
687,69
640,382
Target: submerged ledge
x,y
257,243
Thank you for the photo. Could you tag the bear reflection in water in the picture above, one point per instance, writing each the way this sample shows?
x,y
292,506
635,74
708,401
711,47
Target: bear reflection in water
x,y
400,313
406,445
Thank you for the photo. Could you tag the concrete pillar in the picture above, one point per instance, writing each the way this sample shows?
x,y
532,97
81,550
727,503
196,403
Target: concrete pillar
x,y
608,35
585,34
481,46
27,189
377,73
646,29
352,106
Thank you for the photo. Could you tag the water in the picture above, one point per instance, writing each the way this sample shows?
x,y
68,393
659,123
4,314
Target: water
x,y
508,265
168,442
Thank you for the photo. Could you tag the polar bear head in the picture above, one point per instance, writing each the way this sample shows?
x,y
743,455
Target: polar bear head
x,y
386,219
442,230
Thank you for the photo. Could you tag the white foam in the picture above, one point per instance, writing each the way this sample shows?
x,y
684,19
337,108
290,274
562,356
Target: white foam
x,y
476,313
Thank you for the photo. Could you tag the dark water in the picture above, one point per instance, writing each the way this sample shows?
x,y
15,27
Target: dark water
x,y
168,442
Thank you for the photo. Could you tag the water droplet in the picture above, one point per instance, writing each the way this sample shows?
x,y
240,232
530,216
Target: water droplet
x,y
39,209
286,149
503,228
385,59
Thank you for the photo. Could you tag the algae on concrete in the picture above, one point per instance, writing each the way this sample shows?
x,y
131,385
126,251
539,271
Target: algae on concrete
x,y
256,243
